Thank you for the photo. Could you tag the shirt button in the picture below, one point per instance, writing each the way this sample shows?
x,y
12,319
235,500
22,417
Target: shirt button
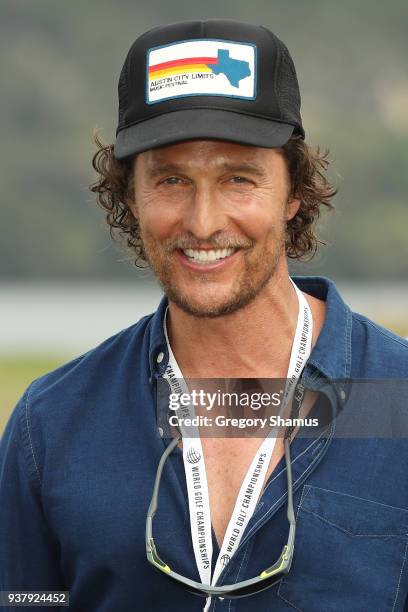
x,y
342,394
161,432
160,357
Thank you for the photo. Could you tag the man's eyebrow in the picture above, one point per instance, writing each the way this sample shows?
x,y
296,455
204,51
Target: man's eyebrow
x,y
158,169
244,168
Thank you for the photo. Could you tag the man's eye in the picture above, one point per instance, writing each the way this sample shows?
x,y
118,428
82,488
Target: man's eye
x,y
172,180
240,180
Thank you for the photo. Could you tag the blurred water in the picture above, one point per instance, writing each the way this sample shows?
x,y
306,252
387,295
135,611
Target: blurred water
x,y
67,319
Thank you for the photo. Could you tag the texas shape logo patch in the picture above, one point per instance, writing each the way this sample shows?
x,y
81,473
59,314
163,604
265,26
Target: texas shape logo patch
x,y
201,67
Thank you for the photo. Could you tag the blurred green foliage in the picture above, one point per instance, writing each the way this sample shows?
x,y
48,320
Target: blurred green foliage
x,y
61,62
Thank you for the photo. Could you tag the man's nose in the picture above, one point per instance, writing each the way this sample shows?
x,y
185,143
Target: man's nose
x,y
205,215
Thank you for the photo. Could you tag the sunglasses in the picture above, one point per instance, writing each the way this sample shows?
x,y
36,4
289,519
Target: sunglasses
x,y
267,578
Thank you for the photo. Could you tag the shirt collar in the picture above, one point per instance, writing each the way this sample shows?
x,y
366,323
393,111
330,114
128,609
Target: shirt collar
x,y
331,355
158,351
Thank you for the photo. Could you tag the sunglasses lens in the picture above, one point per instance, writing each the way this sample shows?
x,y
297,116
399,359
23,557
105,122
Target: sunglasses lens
x,y
181,585
254,588
251,589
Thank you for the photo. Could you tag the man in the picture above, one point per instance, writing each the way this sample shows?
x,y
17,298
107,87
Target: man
x,y
211,183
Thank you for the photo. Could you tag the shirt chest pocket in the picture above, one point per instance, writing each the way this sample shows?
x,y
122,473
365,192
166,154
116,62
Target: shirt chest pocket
x,y
349,555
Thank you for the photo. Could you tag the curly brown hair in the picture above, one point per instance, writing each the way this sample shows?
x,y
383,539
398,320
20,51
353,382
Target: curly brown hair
x,y
306,167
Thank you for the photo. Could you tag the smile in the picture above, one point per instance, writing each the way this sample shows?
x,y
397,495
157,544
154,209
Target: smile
x,y
202,256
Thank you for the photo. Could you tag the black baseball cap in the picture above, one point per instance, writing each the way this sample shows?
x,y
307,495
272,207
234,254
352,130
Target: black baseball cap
x,y
216,79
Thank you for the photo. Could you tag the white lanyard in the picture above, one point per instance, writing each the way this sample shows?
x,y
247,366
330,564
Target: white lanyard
x,y
194,465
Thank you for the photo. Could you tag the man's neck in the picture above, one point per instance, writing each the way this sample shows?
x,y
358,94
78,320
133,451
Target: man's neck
x,y
255,341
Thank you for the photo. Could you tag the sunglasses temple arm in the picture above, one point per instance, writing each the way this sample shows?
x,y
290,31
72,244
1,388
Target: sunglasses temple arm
x,y
153,504
291,514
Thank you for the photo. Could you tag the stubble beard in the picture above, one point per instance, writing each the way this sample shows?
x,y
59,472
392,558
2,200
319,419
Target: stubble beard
x,y
252,279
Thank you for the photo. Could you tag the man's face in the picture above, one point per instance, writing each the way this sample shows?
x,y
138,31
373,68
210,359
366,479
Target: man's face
x,y
212,217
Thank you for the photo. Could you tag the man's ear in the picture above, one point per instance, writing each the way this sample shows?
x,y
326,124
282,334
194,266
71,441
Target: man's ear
x,y
292,208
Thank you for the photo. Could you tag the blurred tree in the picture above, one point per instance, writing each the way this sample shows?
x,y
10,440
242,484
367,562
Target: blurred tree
x,y
59,78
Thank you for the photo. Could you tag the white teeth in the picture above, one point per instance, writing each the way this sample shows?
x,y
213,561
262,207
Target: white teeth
x,y
202,256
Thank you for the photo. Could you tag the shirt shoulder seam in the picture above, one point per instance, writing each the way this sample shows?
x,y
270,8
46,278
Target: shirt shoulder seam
x,y
27,416
26,437
387,334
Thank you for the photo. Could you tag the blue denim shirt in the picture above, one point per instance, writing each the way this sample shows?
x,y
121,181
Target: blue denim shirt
x,y
79,455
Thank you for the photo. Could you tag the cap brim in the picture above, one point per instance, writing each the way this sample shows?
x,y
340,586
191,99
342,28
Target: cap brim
x,y
189,124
